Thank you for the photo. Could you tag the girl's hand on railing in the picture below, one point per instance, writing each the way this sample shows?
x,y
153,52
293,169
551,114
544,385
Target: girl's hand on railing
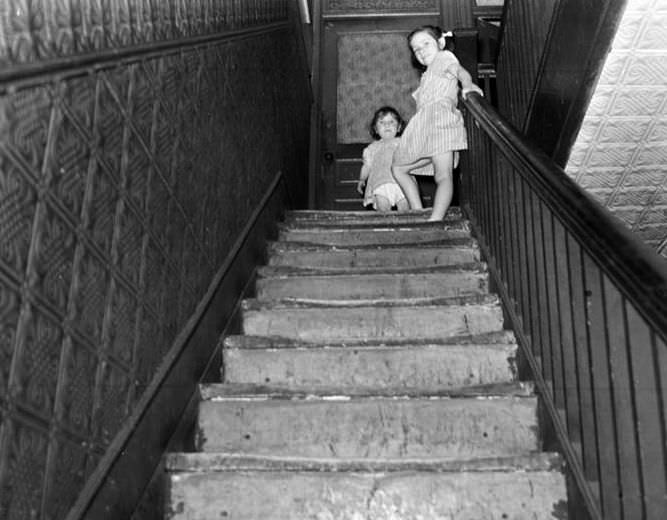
x,y
472,88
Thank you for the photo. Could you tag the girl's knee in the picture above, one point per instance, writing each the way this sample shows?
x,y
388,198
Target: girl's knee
x,y
402,205
444,168
443,177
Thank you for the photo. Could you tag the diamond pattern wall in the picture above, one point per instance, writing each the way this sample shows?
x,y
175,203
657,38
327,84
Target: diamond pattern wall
x,y
123,187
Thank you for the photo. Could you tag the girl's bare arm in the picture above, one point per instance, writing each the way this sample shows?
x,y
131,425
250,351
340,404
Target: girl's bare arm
x,y
467,84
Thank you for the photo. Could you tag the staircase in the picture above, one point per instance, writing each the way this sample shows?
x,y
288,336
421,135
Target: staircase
x,y
373,380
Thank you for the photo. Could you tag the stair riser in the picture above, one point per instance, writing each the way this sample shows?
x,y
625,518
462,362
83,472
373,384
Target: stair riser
x,y
408,258
463,427
400,496
365,237
373,286
426,368
348,323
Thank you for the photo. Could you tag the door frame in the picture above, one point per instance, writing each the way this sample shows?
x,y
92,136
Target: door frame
x,y
458,14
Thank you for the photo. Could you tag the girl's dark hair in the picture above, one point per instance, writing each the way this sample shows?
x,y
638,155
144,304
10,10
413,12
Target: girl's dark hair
x,y
381,112
434,31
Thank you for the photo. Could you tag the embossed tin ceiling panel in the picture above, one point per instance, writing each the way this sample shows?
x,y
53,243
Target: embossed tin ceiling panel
x,y
620,155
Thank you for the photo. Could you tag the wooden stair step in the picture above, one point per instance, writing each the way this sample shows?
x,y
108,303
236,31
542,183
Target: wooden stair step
x,y
417,233
435,318
502,421
372,379
454,252
425,366
335,218
254,494
371,283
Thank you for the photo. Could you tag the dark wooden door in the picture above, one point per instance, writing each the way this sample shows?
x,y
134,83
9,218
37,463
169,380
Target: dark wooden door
x,y
365,64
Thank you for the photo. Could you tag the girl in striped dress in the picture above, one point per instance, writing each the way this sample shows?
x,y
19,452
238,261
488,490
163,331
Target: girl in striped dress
x,y
432,138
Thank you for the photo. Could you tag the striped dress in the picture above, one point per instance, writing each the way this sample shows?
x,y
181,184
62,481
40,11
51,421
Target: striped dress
x,y
437,127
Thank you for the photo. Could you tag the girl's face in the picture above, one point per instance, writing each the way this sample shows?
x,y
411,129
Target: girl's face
x,y
387,126
424,47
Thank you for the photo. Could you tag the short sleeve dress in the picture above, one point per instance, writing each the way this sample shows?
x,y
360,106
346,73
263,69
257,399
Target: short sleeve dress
x,y
377,158
437,127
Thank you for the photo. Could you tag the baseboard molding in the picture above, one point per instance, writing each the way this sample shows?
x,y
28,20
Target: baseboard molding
x,y
162,415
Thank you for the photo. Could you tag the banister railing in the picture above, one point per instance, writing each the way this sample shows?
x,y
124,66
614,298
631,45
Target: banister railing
x,y
588,303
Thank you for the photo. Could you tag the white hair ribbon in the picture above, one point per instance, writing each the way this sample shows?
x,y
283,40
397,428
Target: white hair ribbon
x,y
448,34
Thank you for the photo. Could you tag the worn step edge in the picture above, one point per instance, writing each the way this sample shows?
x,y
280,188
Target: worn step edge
x,y
218,462
365,223
298,216
253,304
249,391
294,271
403,227
327,217
504,337
452,212
445,243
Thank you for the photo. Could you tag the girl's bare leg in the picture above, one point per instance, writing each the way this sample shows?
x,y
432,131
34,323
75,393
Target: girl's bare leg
x,y
408,183
402,205
382,203
444,179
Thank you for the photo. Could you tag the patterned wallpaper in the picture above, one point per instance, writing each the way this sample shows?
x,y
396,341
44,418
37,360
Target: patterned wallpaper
x,y
33,30
122,189
620,155
374,69
383,6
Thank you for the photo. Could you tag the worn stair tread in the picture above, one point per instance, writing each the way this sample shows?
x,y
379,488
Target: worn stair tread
x,y
538,495
292,271
384,228
473,313
278,246
340,425
426,366
306,215
379,235
250,304
221,461
243,341
246,391
370,284
409,495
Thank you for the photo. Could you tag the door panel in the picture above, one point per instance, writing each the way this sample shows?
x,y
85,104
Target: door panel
x,y
366,63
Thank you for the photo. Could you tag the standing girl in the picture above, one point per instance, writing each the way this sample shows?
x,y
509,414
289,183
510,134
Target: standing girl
x,y
381,190
436,132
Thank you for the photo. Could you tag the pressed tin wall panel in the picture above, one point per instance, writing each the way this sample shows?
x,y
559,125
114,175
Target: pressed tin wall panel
x,y
620,155
122,189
